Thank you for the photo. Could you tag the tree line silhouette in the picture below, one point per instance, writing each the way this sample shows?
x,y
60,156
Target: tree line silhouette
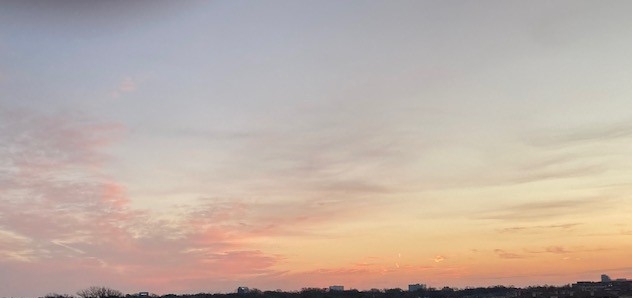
x,y
480,292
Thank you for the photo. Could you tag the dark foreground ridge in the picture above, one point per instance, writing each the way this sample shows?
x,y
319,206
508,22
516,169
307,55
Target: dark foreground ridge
x,y
606,288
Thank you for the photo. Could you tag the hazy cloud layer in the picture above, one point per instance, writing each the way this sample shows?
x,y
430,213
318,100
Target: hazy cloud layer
x,y
61,211
537,211
206,145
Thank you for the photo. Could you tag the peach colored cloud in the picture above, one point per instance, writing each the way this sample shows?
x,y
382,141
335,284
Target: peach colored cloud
x,y
65,221
508,255
67,215
61,211
439,259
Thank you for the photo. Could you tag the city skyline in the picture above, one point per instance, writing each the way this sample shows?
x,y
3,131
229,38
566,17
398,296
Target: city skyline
x,y
201,146
618,287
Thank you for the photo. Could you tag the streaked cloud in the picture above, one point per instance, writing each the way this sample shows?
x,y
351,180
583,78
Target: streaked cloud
x,y
557,250
508,255
405,141
593,134
543,210
50,219
563,250
539,229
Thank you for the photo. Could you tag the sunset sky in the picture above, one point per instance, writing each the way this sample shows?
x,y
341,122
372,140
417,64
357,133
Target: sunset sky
x,y
198,146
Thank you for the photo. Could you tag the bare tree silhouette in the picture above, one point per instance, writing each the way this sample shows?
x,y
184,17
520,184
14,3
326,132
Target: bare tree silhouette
x,y
56,295
99,292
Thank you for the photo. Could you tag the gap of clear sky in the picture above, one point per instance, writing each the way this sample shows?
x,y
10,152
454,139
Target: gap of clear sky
x,y
197,146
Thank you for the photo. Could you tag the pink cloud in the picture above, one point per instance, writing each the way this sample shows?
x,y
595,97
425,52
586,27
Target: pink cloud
x,y
127,85
62,215
72,224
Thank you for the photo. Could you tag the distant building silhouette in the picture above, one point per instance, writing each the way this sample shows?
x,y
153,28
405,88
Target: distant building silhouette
x,y
606,284
336,288
416,287
243,290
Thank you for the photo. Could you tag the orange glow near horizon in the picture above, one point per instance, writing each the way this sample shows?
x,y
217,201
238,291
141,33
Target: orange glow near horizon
x,y
199,146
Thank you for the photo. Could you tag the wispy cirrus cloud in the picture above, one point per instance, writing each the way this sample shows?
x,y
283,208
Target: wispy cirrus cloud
x,y
60,209
539,228
554,154
557,250
541,210
563,250
596,134
15,247
503,254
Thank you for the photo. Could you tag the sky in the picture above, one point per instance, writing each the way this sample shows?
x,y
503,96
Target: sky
x,y
198,146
